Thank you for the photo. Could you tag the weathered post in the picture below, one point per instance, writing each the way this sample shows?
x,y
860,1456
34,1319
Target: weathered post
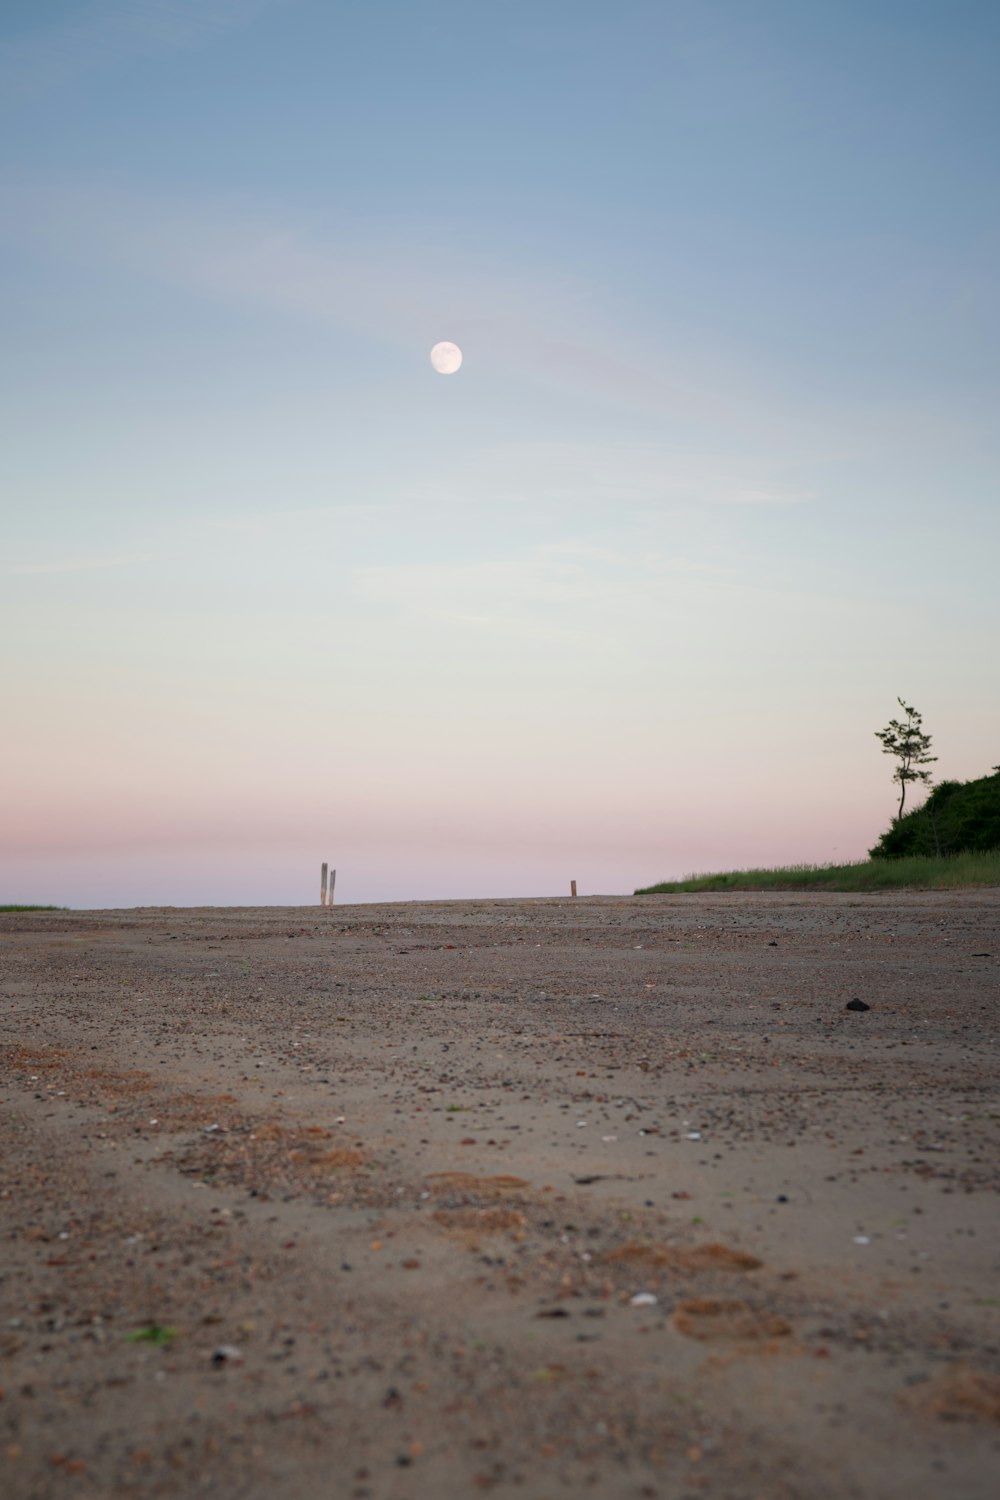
x,y
322,886
572,887
333,882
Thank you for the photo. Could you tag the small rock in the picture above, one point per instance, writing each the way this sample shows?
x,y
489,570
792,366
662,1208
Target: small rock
x,y
856,1004
642,1299
227,1354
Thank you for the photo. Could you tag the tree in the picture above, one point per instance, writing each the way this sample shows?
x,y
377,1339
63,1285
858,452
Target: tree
x,y
908,743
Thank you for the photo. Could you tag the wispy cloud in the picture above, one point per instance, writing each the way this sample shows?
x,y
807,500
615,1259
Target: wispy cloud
x,y
589,601
606,474
530,595
398,282
392,281
105,35
568,593
75,565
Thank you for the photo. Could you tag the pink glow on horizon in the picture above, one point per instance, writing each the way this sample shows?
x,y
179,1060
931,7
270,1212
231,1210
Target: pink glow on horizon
x,y
244,872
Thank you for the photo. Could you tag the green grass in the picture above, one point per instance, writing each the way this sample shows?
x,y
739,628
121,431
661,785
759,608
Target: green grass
x,y
33,908
151,1333
917,872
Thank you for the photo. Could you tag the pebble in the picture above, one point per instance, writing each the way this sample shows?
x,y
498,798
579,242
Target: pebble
x,y
227,1354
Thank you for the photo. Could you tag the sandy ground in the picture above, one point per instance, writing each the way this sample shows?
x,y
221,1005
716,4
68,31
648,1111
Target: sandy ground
x,y
534,1197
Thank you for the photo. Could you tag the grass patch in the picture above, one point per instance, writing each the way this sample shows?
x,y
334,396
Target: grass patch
x,y
915,872
33,908
152,1333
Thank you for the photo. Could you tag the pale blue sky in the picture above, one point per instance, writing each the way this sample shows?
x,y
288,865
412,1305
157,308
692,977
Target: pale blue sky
x,y
723,449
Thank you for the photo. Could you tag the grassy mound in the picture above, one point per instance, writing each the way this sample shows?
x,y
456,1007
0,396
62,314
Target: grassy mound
x,y
915,872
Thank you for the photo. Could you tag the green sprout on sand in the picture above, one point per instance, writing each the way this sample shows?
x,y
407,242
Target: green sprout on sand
x,y
152,1333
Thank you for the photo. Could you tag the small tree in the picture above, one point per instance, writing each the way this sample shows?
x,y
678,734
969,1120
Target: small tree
x,y
907,741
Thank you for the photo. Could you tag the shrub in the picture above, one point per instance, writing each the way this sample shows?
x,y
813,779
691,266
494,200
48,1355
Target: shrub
x,y
958,817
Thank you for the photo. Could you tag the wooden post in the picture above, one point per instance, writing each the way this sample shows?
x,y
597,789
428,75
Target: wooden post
x,y
333,882
572,887
322,886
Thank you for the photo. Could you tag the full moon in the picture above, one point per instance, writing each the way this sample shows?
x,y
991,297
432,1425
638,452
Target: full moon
x,y
446,358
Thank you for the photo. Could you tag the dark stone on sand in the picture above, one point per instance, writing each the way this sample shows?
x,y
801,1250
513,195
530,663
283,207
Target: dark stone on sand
x,y
856,1004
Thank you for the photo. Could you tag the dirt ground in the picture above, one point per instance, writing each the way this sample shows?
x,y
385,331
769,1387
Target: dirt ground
x,y
542,1198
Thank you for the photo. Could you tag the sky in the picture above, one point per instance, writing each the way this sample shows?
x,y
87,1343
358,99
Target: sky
x,y
627,596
